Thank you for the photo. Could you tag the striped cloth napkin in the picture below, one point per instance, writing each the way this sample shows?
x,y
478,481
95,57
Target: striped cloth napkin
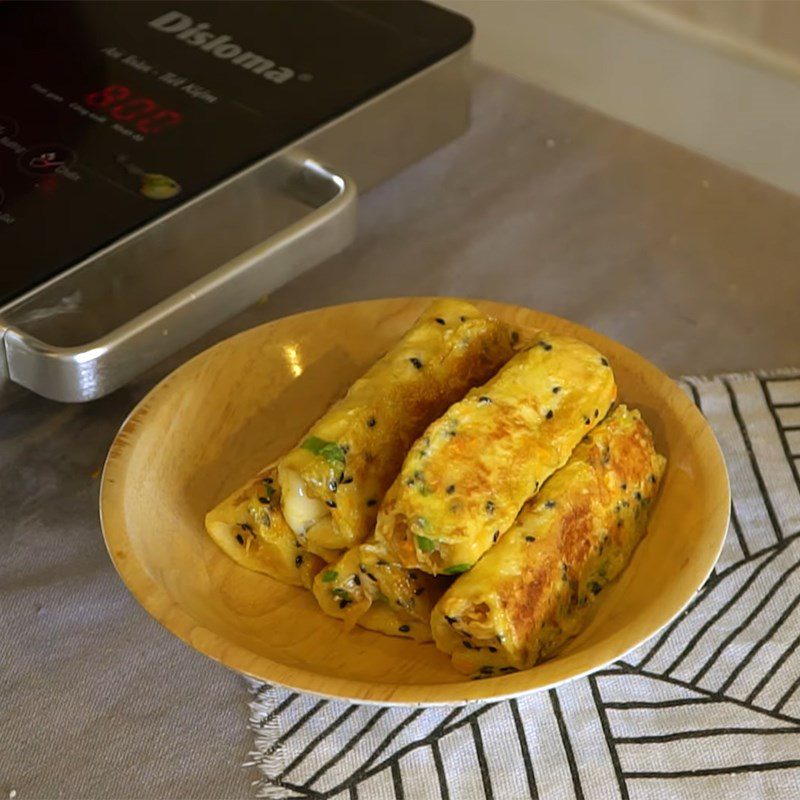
x,y
710,708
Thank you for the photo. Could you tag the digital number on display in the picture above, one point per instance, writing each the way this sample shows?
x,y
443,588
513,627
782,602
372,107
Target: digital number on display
x,y
141,113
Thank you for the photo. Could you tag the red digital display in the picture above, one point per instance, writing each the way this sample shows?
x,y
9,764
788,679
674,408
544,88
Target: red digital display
x,y
141,113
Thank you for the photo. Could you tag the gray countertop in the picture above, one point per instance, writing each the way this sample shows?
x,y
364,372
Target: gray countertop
x,y
543,204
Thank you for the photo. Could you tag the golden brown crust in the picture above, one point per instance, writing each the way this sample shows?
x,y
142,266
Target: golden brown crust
x,y
531,591
351,455
464,481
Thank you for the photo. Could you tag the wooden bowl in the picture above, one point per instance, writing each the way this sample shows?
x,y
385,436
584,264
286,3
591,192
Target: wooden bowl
x,y
219,418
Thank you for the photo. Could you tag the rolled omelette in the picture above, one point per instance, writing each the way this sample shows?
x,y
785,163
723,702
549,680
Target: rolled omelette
x,y
531,591
365,587
464,481
334,480
250,528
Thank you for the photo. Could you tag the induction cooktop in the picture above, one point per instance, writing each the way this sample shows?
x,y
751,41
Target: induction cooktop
x,y
163,164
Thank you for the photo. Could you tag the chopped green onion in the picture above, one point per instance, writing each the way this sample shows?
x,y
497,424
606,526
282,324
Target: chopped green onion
x,y
343,593
330,451
456,569
329,575
425,544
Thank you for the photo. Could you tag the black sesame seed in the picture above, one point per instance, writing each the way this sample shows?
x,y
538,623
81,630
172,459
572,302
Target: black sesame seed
x,y
463,318
356,580
348,479
545,345
240,538
467,634
587,421
267,480
549,414
362,568
484,400
507,669
530,538
468,645
489,507
413,575
625,504
345,448
263,500
492,649
451,620
344,603
371,422
298,561
246,527
297,544
371,502
604,361
381,563
416,362
514,337
419,591
638,495
486,670
595,587
330,503
450,489
399,602
372,577
410,482
556,389
652,479
496,536
440,320
550,504
623,486
404,628
596,413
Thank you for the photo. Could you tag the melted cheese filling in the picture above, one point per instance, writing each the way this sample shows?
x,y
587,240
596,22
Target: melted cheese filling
x,y
308,517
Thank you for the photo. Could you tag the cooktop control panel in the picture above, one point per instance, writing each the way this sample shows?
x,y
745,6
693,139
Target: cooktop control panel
x,y
111,114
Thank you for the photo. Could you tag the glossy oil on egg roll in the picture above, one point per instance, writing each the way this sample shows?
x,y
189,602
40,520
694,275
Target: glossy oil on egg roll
x,y
250,528
366,588
335,478
531,591
466,478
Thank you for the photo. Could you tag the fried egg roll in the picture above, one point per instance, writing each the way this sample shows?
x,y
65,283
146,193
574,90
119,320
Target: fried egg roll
x,y
365,587
334,480
250,528
464,481
531,591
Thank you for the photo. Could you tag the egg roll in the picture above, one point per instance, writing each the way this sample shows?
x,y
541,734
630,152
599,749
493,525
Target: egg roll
x,y
249,527
464,481
336,477
365,587
532,590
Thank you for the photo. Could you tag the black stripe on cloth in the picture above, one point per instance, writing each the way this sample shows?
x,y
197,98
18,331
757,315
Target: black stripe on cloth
x,y
562,729
773,670
317,739
397,780
332,762
722,610
794,376
737,529
787,695
296,727
486,778
278,709
523,746
444,792
392,735
699,773
786,405
683,701
702,734
753,460
781,433
439,731
761,642
742,625
612,748
354,792
771,713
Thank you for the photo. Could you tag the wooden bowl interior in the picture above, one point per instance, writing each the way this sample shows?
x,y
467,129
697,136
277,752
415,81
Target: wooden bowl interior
x,y
215,421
